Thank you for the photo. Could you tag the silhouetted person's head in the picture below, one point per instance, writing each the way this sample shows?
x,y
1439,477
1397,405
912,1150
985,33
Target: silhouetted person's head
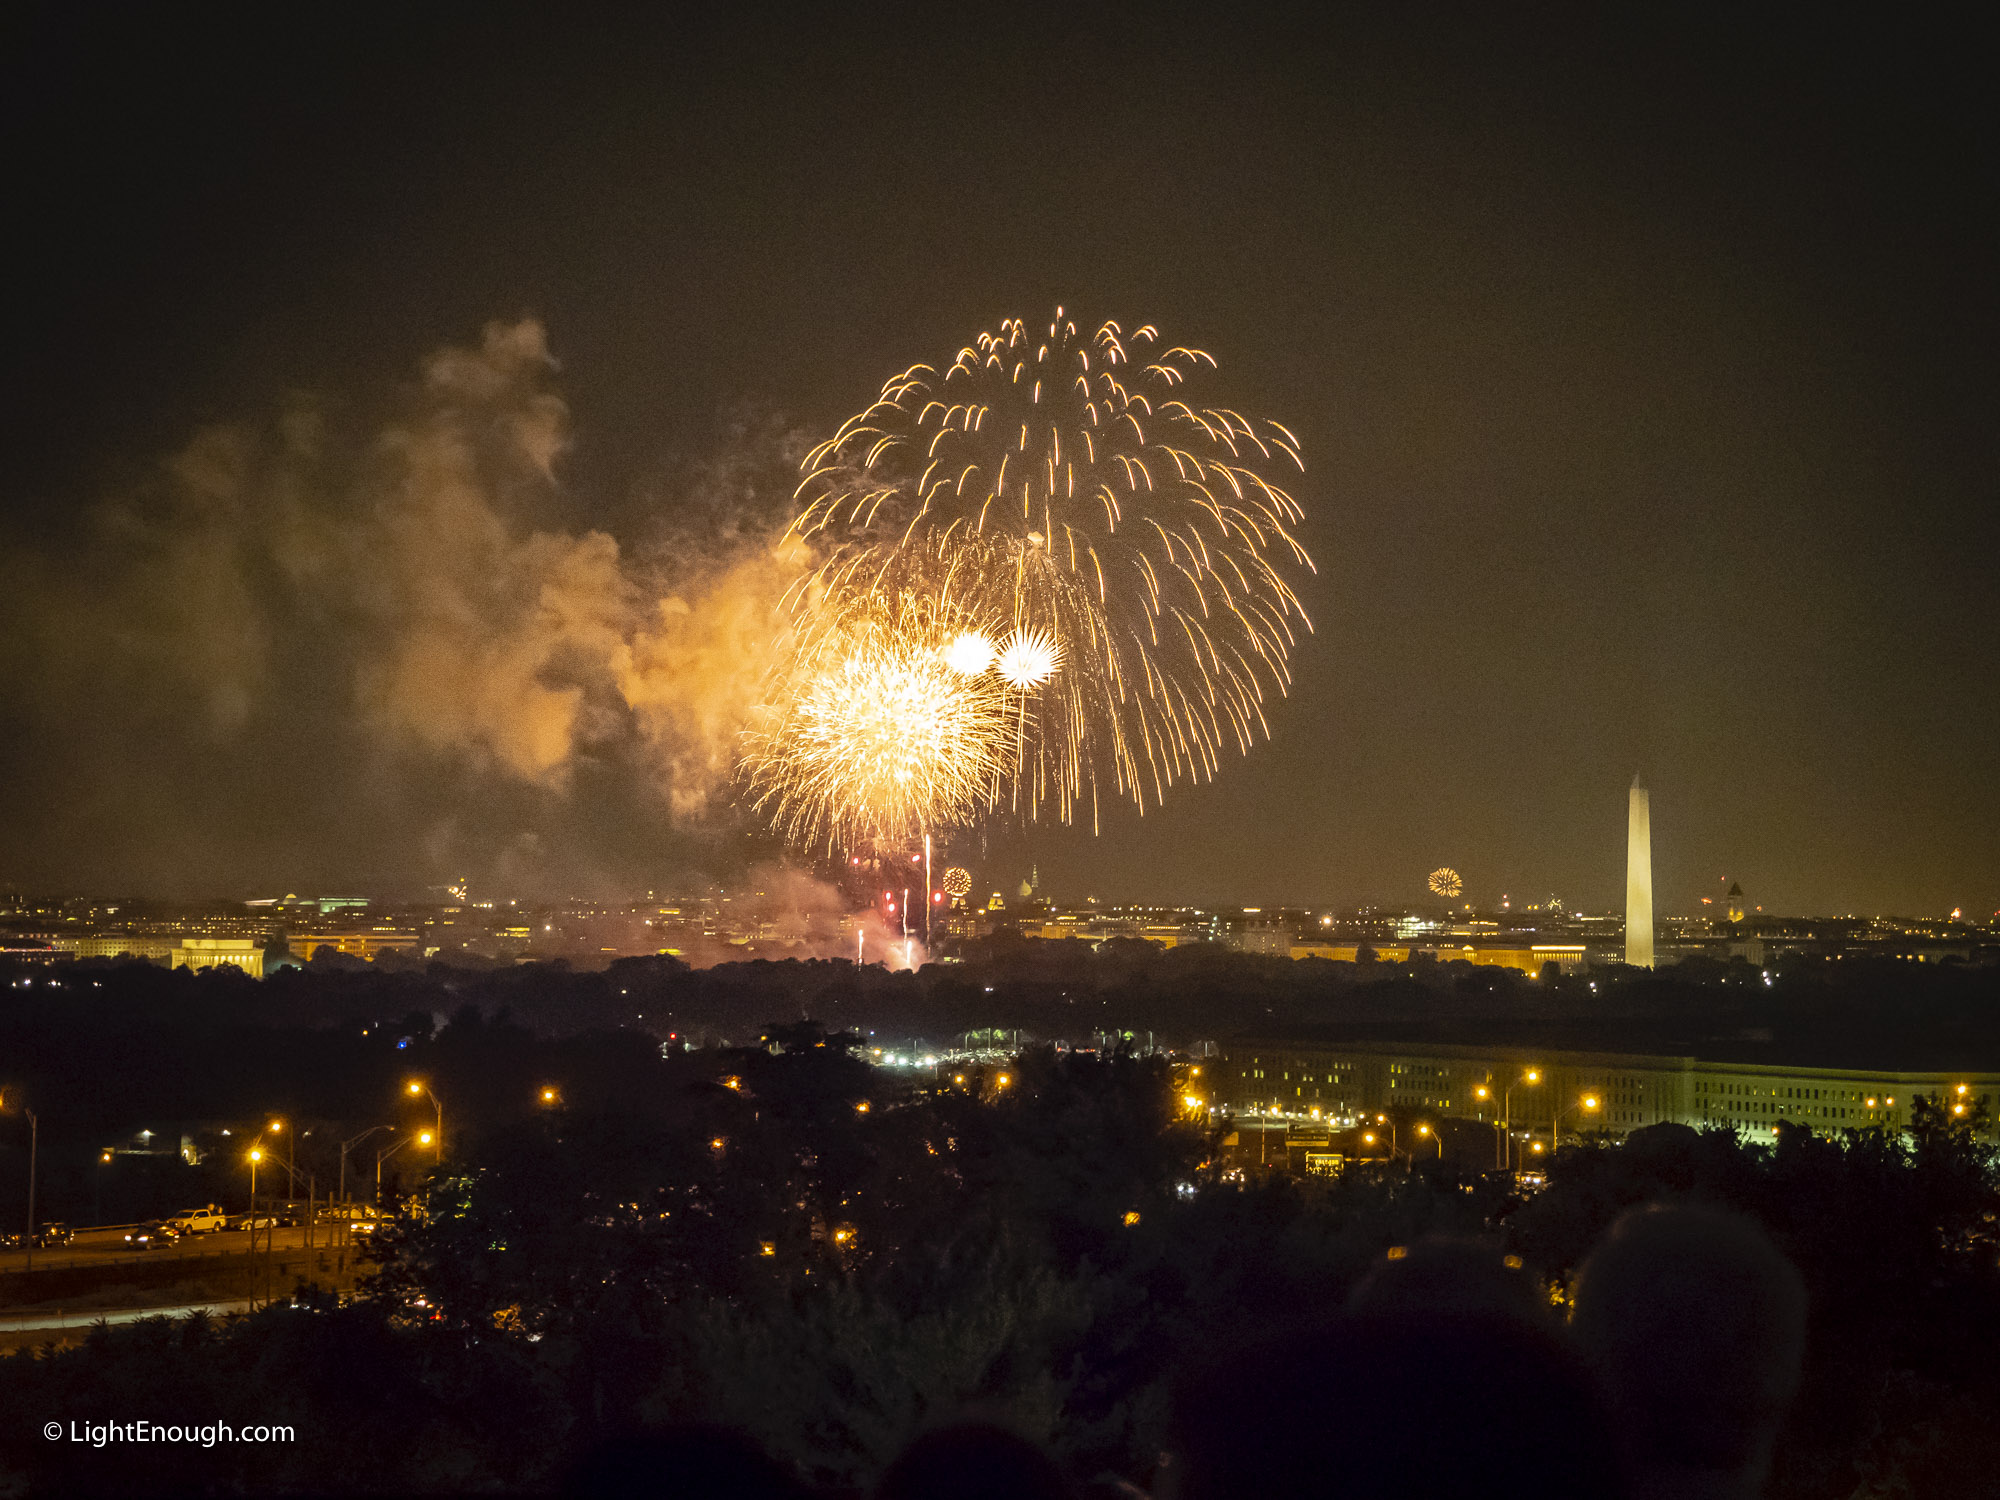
x,y
689,1463
1696,1325
973,1461
1441,1274
1398,1404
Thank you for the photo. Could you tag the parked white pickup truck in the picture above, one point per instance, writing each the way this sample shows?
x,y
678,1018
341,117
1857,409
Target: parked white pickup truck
x,y
205,1220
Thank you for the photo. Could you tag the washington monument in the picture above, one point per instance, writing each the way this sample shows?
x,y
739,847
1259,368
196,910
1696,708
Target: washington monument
x,y
1639,880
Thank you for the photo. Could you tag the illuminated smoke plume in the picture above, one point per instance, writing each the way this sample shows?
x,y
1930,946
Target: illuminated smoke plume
x,y
397,615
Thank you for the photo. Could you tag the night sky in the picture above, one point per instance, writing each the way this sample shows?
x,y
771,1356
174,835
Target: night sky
x,y
1645,378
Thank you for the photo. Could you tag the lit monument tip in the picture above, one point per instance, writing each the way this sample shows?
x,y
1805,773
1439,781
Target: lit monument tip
x,y
1639,880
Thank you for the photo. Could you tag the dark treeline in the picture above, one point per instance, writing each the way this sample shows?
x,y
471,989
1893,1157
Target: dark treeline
x,y
786,1241
104,1050
1898,1014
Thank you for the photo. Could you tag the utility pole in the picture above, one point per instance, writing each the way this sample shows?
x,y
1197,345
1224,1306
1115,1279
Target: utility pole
x,y
416,1087
34,1142
349,1145
256,1155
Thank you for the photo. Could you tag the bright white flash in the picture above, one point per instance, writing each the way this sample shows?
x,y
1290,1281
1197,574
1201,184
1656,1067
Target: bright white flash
x,y
969,653
1030,658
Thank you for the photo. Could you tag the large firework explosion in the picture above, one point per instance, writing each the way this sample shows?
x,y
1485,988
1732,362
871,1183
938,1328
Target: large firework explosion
x,y
1106,554
880,732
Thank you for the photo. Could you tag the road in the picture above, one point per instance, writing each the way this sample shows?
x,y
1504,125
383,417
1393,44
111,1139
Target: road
x,y
42,1321
96,1247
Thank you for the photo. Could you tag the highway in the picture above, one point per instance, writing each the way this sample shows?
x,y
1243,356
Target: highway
x,y
97,1247
14,1326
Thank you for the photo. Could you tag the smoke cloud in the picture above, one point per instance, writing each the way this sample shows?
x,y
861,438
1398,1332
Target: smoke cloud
x,y
394,621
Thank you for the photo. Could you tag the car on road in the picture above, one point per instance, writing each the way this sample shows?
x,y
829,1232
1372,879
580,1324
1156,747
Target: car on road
x,y
207,1219
360,1218
152,1236
258,1220
53,1234
13,1241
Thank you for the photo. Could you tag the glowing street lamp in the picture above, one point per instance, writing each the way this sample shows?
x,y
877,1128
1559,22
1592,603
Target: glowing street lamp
x,y
1529,1079
422,1139
1589,1104
415,1088
1434,1138
550,1096
349,1145
291,1156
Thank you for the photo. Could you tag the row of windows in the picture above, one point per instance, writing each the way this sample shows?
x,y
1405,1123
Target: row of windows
x,y
1625,1099
1767,1108
1757,1091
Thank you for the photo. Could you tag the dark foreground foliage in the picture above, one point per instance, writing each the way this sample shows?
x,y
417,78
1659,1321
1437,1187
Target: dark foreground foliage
x,y
1051,1242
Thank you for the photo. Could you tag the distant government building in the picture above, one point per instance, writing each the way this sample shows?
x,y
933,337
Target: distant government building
x,y
1303,1085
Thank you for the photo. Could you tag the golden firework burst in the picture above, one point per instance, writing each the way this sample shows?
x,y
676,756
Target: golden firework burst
x,y
1120,546
875,732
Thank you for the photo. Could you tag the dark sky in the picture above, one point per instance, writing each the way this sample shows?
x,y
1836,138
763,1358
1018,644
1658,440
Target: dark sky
x,y
1646,381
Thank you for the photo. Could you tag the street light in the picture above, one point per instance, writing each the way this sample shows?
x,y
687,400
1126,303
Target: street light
x,y
291,1157
415,1088
550,1096
1436,1139
1528,1079
1588,1104
34,1145
1484,1094
423,1138
347,1146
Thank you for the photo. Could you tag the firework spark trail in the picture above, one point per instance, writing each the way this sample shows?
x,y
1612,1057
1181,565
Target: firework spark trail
x,y
1071,491
1109,547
